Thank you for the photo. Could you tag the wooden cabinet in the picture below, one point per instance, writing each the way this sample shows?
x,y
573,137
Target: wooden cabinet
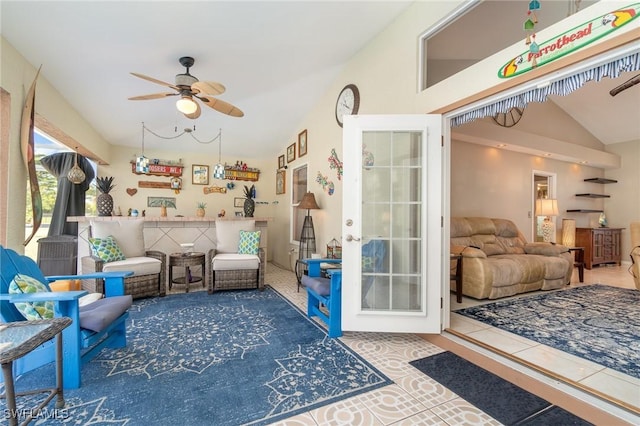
x,y
601,245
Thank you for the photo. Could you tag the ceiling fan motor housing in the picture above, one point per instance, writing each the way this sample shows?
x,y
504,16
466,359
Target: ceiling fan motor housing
x,y
185,80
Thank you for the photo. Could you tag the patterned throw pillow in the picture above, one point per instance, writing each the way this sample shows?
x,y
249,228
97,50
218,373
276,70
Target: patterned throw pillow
x,y
31,310
249,242
368,263
106,249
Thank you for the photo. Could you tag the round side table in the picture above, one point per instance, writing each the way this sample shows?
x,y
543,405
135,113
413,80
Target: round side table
x,y
186,261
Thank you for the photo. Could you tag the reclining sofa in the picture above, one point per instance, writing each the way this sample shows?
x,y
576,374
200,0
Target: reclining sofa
x,y
497,261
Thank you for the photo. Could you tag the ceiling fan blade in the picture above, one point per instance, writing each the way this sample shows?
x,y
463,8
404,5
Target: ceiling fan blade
x,y
221,106
154,80
208,88
196,113
152,96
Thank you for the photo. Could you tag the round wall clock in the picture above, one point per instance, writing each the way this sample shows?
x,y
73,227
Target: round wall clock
x,y
348,102
509,118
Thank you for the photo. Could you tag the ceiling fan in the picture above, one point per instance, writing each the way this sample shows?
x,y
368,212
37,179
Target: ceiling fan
x,y
188,87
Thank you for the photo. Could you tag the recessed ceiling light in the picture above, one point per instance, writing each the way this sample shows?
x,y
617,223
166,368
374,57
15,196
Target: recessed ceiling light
x,y
501,145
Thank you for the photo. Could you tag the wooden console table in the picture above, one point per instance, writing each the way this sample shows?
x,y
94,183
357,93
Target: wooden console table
x,y
601,245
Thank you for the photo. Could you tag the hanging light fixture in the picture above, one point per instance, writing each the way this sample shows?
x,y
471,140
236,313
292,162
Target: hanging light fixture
x,y
142,162
76,175
218,169
186,105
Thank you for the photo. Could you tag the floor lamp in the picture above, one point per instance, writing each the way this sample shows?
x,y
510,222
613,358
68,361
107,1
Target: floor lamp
x,y
308,235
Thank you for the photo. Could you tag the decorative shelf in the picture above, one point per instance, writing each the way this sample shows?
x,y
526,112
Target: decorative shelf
x,y
593,195
584,211
600,180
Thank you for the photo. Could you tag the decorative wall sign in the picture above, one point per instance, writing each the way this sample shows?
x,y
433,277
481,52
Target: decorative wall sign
x,y
247,174
132,191
238,202
214,189
157,169
161,202
199,174
153,184
570,41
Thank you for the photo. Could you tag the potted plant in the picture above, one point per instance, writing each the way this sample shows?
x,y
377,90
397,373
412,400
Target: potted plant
x,y
104,202
249,203
200,210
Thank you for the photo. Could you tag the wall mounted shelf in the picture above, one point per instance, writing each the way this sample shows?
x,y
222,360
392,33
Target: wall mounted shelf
x,y
600,180
593,195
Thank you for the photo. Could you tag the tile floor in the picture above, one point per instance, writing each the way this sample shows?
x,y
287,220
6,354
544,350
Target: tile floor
x,y
612,383
415,399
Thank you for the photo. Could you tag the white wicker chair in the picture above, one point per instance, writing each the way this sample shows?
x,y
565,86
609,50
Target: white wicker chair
x,y
230,270
148,266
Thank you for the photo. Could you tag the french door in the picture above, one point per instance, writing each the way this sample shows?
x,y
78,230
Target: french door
x,y
391,223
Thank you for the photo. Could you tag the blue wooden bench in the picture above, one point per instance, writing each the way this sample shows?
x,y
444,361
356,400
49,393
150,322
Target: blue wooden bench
x,y
79,344
324,291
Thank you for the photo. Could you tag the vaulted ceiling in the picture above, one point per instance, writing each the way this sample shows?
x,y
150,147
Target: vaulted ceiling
x,y
275,58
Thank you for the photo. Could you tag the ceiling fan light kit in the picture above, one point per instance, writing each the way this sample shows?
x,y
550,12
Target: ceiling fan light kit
x,y
189,87
186,105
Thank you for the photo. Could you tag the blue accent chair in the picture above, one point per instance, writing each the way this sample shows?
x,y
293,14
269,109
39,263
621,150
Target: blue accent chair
x,y
324,291
327,291
104,319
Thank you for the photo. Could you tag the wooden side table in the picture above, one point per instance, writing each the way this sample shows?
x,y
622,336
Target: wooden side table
x,y
457,276
18,339
579,261
186,261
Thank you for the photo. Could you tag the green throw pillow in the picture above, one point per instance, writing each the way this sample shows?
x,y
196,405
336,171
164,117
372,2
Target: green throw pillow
x,y
249,242
31,310
106,249
368,263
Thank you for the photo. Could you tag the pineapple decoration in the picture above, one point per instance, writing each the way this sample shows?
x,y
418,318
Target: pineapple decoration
x,y
249,203
104,202
529,26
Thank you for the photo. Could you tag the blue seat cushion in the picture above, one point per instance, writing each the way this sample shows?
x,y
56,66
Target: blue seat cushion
x,y
100,314
320,285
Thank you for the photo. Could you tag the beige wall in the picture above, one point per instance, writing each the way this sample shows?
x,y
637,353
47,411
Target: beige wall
x,y
190,195
624,205
16,77
386,73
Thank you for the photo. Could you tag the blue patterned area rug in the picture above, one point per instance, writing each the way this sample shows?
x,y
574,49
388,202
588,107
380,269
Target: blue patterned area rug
x,y
231,358
597,322
502,400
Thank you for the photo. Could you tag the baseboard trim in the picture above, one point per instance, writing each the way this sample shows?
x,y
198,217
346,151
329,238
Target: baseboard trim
x,y
584,402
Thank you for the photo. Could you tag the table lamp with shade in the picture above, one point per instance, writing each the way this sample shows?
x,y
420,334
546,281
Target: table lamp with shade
x,y
547,207
307,236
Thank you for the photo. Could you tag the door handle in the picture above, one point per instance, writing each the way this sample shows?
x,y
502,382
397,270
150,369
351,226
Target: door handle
x,y
350,237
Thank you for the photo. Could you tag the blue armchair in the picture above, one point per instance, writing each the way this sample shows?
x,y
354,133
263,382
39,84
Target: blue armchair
x,y
94,326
